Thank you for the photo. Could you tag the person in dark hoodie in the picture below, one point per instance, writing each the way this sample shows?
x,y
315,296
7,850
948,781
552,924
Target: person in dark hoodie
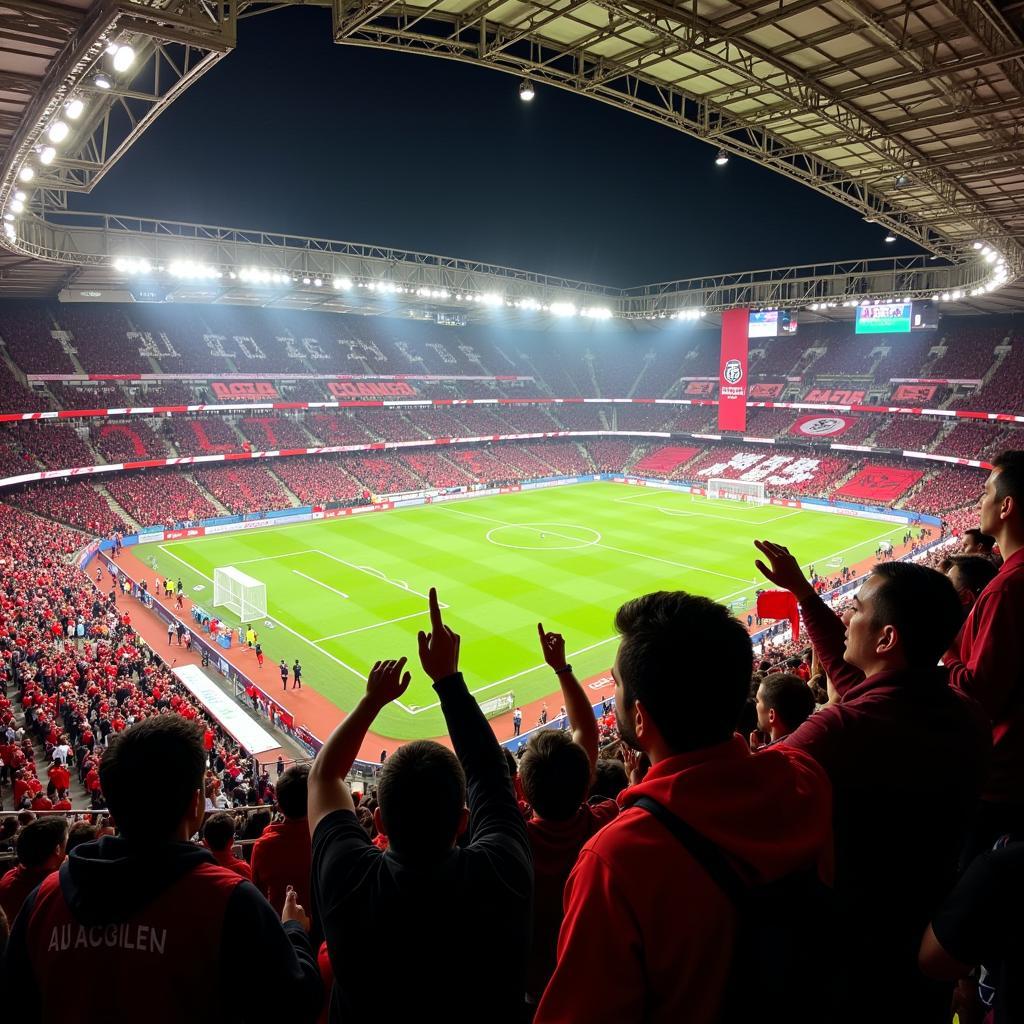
x,y
459,907
637,900
168,930
907,756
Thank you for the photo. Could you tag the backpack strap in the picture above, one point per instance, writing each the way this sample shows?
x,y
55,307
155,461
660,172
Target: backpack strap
x,y
705,852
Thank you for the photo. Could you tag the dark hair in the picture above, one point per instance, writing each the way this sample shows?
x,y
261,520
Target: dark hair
x,y
219,830
79,833
421,792
976,571
924,607
292,791
790,696
37,840
610,778
555,773
983,540
510,762
169,744
1010,481
688,660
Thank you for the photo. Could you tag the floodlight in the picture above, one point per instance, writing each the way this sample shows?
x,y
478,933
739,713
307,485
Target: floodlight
x,y
17,205
58,131
305,280
318,282
20,195
343,282
991,257
101,82
977,245
526,92
124,58
563,309
26,173
8,217
47,155
74,109
890,237
722,159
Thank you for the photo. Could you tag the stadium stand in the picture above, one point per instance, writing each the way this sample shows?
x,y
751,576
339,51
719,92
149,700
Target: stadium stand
x,y
243,487
161,497
128,440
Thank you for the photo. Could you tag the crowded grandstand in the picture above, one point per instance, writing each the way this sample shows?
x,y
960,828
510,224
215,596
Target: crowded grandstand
x,y
402,637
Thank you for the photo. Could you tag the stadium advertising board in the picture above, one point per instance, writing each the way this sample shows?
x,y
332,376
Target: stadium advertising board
x,y
247,390
765,391
822,426
375,389
837,397
732,371
254,738
914,393
702,388
880,483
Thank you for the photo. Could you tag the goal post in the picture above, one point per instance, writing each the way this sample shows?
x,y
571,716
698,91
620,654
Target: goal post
x,y
241,594
738,490
494,706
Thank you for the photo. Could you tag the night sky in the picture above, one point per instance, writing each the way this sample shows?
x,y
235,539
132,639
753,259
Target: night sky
x,y
294,133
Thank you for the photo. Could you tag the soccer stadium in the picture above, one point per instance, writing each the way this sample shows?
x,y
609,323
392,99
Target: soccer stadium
x,y
455,582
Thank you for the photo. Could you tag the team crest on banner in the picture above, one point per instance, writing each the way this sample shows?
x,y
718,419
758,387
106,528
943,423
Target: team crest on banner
x,y
733,371
822,426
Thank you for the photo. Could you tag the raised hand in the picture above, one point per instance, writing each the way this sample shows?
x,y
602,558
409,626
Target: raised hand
x,y
386,682
783,569
552,646
292,910
439,649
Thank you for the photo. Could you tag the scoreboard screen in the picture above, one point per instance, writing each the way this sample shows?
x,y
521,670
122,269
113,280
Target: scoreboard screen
x,y
897,318
771,323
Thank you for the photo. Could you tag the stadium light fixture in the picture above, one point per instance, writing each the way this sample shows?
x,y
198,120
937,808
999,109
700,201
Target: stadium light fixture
x,y
596,312
17,205
8,216
318,282
123,58
722,159
890,237
563,309
306,280
343,283
526,92
58,131
74,109
47,155
20,195
977,245
26,173
101,82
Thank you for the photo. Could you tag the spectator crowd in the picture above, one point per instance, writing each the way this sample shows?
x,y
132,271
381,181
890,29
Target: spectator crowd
x,y
831,832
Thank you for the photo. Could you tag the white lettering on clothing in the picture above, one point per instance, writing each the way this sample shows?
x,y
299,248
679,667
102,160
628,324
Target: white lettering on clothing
x,y
142,938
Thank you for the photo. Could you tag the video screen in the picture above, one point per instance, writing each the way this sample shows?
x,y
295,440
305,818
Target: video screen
x,y
897,318
771,323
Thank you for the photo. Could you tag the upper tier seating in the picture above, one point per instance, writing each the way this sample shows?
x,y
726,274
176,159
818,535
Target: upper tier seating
x,y
243,487
159,497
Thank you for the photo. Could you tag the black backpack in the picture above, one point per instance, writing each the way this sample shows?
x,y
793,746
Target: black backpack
x,y
781,929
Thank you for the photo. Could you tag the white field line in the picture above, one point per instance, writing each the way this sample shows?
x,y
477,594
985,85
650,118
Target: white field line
x,y
373,625
633,500
598,544
320,583
272,558
378,575
304,639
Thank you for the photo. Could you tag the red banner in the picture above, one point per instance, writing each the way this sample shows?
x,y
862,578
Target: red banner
x,y
822,426
732,371
250,390
758,391
879,483
704,388
383,389
831,397
914,393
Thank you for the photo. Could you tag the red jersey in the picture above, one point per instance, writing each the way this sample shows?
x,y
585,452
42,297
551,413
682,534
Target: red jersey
x,y
283,856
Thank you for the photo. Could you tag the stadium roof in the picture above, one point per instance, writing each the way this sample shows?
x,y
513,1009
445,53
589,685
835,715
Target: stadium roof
x,y
911,113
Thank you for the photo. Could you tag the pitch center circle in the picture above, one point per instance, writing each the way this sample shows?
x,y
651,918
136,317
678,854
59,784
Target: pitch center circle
x,y
543,536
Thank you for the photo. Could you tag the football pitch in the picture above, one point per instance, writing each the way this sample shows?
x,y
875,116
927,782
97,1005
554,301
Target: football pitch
x,y
342,593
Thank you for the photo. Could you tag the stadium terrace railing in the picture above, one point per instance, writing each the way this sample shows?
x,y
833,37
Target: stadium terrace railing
x,y
444,403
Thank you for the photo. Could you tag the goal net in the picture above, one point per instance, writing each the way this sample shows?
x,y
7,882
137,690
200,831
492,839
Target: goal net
x,y
738,490
494,706
239,593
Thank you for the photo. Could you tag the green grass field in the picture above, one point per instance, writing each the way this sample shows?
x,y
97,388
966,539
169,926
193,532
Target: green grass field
x,y
344,592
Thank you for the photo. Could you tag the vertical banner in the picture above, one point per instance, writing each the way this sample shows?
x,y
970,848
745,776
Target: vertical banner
x,y
732,371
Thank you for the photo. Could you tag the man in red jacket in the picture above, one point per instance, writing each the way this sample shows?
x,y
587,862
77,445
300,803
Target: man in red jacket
x,y
637,901
40,851
987,659
283,855
907,755
218,838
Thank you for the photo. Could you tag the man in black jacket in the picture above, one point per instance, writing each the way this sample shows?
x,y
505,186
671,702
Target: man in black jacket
x,y
455,912
168,930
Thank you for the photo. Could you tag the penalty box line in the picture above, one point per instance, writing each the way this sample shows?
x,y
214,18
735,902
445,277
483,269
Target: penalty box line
x,y
295,633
